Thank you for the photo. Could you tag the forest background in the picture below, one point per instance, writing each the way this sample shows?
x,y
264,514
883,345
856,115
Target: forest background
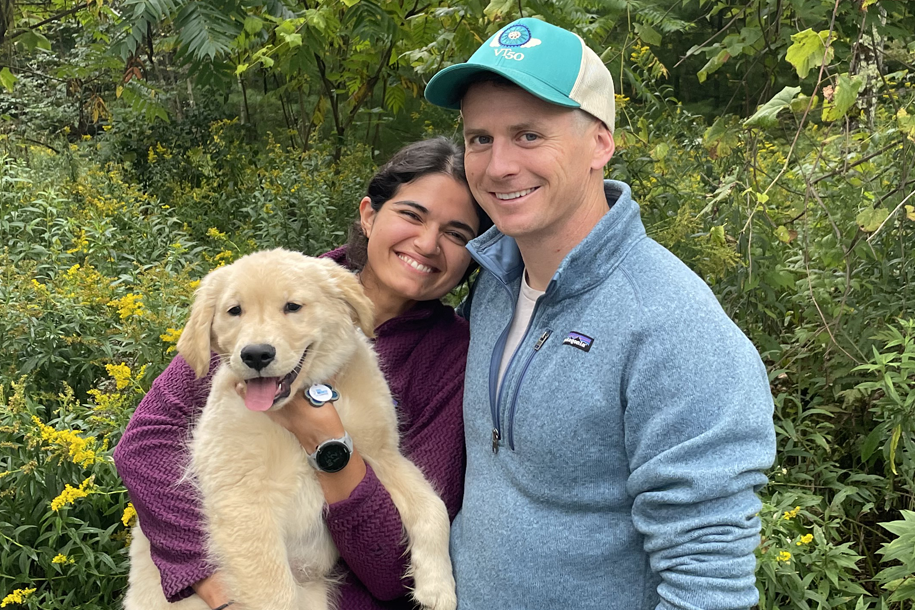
x,y
143,142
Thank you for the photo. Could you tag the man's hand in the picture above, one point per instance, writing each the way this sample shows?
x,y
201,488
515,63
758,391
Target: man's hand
x,y
212,591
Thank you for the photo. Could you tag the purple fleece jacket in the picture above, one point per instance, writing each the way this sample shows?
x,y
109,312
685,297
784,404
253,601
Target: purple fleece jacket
x,y
422,354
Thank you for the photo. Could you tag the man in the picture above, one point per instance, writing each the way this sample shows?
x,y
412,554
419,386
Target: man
x,y
617,422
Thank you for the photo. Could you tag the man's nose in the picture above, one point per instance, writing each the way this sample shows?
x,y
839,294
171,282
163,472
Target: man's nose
x,y
503,161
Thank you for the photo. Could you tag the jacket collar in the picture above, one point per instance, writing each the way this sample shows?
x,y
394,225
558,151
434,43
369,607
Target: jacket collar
x,y
616,232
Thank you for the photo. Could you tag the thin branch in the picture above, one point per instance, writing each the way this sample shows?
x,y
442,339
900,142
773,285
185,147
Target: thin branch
x,y
51,19
891,214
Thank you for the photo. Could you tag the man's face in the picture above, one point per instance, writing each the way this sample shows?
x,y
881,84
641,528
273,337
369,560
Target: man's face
x,y
530,163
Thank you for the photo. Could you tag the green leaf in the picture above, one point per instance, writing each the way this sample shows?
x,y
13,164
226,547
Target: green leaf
x,y
32,40
870,219
350,3
871,443
767,114
293,40
648,34
808,51
713,64
498,8
7,79
253,24
845,96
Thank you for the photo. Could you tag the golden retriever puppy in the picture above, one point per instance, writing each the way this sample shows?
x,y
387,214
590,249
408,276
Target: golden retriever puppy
x,y
261,499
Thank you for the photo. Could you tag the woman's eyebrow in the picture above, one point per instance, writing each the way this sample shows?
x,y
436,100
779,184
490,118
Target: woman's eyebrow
x,y
456,224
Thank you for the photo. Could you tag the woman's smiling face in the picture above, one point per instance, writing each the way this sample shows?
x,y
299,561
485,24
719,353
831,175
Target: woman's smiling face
x,y
416,248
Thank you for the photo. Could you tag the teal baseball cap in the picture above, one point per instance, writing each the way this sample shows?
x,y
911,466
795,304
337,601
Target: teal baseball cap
x,y
545,60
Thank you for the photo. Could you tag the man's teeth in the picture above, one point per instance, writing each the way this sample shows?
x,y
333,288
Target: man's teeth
x,y
414,264
515,195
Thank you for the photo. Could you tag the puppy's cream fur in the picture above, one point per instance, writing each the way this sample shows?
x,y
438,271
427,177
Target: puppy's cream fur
x,y
262,501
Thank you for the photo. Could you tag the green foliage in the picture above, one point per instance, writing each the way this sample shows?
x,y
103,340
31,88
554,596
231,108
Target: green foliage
x,y
769,142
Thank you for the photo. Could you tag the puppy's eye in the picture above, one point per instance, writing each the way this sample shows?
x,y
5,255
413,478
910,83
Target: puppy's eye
x,y
291,307
234,311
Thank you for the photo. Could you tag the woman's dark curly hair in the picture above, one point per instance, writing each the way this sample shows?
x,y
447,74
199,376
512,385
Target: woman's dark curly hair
x,y
437,155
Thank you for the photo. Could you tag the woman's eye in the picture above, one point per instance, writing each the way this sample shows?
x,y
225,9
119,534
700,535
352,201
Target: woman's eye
x,y
411,215
459,237
291,307
234,311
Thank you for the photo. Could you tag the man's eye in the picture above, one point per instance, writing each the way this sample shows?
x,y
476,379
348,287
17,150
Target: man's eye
x,y
234,311
292,307
481,140
530,137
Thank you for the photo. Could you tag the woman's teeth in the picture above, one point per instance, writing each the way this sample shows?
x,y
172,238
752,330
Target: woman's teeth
x,y
414,264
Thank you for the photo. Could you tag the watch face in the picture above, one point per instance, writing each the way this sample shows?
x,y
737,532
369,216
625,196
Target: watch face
x,y
333,457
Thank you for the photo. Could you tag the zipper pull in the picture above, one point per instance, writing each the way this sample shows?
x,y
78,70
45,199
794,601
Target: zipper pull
x,y
542,340
495,440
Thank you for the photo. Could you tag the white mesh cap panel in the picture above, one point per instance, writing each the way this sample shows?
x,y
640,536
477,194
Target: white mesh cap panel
x,y
593,89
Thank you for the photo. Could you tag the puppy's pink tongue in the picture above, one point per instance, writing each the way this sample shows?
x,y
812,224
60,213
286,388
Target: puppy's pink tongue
x,y
260,392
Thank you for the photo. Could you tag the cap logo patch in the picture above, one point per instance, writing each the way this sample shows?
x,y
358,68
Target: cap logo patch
x,y
515,36
578,340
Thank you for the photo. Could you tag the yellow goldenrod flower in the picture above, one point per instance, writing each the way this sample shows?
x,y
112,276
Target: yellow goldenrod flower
x,y
128,305
60,558
130,515
791,514
805,539
70,494
194,285
216,233
784,556
120,373
80,450
171,335
16,597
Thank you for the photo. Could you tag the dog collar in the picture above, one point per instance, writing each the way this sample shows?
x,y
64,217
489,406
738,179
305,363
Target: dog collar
x,y
320,394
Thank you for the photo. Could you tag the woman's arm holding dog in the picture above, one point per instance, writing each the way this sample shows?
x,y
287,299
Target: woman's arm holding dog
x,y
151,458
366,526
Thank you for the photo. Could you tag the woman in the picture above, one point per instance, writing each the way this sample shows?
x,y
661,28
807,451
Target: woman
x,y
408,248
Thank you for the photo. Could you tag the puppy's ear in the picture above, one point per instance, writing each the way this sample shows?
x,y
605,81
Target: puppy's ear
x,y
194,343
363,312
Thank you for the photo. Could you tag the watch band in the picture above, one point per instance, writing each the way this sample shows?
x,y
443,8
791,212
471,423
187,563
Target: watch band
x,y
332,445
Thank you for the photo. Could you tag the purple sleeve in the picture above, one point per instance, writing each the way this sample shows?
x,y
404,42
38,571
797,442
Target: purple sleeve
x,y
366,527
151,458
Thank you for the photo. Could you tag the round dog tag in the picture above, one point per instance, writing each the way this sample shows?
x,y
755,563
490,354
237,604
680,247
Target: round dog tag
x,y
319,393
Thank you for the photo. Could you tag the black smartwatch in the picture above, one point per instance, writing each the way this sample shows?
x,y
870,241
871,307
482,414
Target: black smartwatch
x,y
332,455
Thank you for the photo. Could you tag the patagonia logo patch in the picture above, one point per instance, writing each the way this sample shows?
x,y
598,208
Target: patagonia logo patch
x,y
582,342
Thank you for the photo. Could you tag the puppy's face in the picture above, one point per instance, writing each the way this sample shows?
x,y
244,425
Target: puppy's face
x,y
280,320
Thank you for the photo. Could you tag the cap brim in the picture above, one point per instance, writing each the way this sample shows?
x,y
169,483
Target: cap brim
x,y
448,86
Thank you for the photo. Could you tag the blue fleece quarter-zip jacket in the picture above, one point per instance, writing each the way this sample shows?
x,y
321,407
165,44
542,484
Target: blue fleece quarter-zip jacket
x,y
618,464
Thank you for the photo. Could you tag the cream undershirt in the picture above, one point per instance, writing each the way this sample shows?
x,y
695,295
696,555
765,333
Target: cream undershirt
x,y
527,299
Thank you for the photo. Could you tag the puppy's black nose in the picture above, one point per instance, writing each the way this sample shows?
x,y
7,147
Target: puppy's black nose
x,y
258,356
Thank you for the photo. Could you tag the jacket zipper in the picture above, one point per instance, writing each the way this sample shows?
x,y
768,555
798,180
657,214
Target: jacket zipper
x,y
511,412
494,395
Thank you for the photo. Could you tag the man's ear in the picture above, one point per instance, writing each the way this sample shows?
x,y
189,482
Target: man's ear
x,y
194,343
604,146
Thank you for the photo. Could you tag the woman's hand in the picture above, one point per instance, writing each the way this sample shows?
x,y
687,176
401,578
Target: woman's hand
x,y
312,426
212,591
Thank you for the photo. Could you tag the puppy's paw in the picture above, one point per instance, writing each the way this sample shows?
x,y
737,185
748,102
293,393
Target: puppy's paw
x,y
440,597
